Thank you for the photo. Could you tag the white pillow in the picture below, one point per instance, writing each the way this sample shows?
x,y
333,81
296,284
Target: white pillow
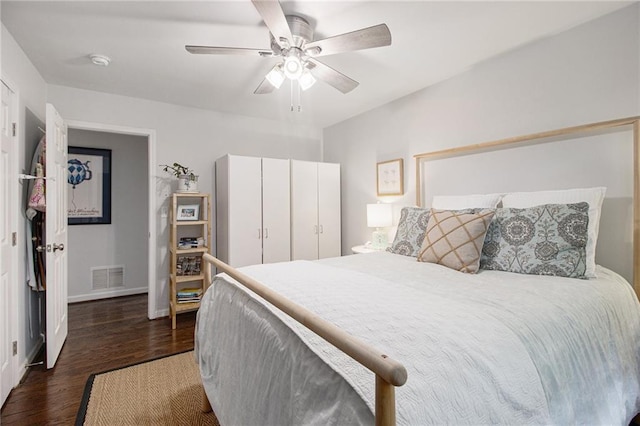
x,y
459,202
593,196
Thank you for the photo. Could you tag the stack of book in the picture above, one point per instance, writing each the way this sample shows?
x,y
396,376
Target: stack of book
x,y
189,295
190,242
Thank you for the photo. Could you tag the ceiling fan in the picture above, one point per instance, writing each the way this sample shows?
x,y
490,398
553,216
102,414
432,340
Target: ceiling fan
x,y
292,39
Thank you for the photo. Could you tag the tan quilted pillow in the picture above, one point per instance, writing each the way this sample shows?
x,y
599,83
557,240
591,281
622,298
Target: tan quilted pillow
x,y
454,239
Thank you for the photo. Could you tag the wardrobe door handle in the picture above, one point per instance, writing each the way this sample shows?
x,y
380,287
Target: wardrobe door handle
x,y
266,232
321,230
259,230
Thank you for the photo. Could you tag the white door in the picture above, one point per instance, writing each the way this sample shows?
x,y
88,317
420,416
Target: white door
x,y
304,210
276,211
245,211
7,246
329,244
56,234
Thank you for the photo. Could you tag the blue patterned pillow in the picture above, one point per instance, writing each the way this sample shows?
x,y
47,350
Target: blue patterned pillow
x,y
550,239
411,229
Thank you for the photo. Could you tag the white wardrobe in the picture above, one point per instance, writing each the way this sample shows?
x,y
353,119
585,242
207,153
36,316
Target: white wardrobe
x,y
315,210
270,210
252,210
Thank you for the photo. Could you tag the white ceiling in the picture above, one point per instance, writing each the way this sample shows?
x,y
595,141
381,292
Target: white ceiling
x,y
432,41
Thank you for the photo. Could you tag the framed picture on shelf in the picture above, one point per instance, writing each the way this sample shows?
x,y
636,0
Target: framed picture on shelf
x,y
390,177
89,180
188,212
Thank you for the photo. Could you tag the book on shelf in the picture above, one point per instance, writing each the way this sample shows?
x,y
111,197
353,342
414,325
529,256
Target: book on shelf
x,y
188,300
190,242
189,292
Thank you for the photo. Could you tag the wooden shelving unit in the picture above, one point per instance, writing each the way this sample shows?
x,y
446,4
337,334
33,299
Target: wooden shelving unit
x,y
200,228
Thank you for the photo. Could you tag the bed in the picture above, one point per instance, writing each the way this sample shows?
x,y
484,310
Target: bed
x,y
494,347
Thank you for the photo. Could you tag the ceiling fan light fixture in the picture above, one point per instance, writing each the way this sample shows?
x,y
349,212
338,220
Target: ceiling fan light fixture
x,y
293,66
276,76
306,80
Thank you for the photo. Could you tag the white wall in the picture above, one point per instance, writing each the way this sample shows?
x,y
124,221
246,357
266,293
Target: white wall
x,y
32,93
192,137
124,241
587,74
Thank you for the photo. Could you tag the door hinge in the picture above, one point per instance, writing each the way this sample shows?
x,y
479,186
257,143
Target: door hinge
x,y
13,128
14,239
15,348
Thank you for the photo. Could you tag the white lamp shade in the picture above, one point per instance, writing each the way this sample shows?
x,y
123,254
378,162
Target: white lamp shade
x,y
275,76
379,215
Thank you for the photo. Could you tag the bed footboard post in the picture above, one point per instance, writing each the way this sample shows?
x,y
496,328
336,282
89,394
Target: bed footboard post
x,y
385,403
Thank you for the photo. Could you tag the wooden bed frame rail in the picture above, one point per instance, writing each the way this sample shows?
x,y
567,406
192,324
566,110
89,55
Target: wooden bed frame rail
x,y
389,373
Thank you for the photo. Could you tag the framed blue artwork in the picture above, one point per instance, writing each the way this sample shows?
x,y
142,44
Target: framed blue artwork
x,y
89,180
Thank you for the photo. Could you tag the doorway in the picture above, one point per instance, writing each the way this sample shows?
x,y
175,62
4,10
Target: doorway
x,y
108,258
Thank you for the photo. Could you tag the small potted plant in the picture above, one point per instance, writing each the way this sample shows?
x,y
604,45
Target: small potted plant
x,y
187,179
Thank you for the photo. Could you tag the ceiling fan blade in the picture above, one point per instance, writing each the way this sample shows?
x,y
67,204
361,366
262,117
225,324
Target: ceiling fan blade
x,y
213,50
332,77
264,87
274,18
366,38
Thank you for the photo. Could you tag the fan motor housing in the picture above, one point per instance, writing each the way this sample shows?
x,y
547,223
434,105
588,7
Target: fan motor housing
x,y
300,30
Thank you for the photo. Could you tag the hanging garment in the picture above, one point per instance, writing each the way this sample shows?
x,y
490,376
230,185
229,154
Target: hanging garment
x,y
37,200
36,205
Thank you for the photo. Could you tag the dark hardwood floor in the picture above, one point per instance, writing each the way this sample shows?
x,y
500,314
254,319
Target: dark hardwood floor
x,y
103,335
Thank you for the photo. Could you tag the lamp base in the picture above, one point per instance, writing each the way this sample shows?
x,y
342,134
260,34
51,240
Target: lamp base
x,y
379,239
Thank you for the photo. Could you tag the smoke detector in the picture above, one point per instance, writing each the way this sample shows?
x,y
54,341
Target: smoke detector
x,y
100,60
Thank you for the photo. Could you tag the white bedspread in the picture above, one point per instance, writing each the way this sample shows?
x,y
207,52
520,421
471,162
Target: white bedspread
x,y
491,348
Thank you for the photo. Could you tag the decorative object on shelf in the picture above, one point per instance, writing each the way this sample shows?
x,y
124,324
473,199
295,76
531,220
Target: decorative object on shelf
x,y
89,200
390,177
188,212
379,216
188,265
187,179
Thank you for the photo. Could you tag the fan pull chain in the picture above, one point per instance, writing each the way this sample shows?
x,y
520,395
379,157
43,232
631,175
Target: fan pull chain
x,y
291,81
293,96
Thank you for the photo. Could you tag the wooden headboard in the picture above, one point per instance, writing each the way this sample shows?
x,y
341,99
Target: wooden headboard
x,y
632,123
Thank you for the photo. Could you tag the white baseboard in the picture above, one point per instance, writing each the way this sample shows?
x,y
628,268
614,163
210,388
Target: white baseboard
x,y
107,294
162,313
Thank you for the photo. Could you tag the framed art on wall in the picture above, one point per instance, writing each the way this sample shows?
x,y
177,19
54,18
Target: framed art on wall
x,y
390,177
188,212
89,179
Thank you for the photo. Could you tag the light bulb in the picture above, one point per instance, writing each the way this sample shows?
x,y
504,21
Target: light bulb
x,y
275,76
292,67
306,80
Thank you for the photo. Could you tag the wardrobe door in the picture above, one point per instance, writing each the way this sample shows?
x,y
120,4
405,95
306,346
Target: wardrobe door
x,y
304,210
276,211
329,244
245,211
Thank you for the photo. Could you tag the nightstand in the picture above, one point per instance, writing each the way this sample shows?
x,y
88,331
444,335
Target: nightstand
x,y
365,249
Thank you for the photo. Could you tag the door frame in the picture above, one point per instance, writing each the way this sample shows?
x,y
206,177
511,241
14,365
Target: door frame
x,y
14,320
152,309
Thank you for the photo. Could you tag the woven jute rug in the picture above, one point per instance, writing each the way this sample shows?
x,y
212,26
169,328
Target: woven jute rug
x,y
165,391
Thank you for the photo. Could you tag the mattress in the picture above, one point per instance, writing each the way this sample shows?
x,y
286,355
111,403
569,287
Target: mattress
x,y
489,348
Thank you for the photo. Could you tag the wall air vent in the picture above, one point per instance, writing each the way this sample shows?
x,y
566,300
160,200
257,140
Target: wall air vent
x,y
104,277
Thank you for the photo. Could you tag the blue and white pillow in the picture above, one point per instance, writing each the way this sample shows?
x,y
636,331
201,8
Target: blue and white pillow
x,y
411,230
550,239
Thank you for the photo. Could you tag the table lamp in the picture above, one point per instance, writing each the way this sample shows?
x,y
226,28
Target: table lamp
x,y
379,216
